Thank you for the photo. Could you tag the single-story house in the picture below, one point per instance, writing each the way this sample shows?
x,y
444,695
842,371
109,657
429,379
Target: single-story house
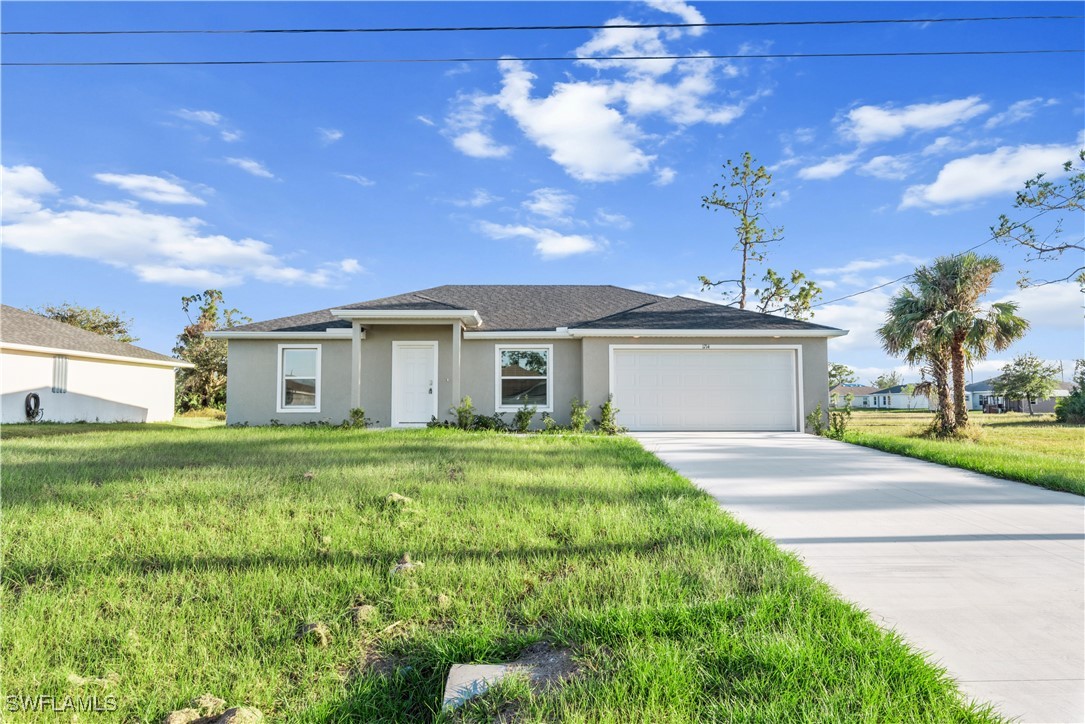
x,y
897,397
859,394
670,363
982,397
72,375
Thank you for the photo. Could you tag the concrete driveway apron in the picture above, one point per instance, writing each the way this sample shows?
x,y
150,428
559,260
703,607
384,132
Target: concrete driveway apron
x,y
984,575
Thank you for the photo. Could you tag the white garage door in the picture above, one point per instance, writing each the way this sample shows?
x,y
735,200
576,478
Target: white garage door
x,y
680,388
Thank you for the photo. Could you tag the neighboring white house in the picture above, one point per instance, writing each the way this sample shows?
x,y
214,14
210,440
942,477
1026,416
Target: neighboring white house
x,y
898,397
73,375
982,397
859,395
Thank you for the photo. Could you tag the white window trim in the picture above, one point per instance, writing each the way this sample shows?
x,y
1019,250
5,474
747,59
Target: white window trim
x,y
397,345
549,349
279,407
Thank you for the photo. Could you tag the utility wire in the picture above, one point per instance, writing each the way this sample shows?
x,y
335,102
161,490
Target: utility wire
x,y
485,28
552,58
906,276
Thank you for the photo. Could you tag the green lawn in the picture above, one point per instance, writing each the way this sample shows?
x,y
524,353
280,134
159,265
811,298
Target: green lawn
x,y
1030,449
178,561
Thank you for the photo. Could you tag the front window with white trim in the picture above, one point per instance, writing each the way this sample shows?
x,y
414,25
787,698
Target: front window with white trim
x,y
299,378
525,377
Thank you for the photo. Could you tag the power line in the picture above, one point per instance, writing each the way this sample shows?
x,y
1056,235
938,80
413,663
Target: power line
x,y
906,276
552,58
486,28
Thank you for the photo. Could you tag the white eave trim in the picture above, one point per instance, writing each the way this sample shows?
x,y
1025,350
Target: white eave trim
x,y
79,354
544,334
326,334
469,317
763,333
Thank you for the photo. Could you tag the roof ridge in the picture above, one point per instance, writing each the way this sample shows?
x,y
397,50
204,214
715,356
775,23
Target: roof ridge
x,y
624,311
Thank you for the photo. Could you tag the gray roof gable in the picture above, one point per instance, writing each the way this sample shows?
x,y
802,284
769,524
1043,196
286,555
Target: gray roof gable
x,y
18,326
696,314
542,307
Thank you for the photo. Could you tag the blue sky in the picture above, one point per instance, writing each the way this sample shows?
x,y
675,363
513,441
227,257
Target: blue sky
x,y
301,187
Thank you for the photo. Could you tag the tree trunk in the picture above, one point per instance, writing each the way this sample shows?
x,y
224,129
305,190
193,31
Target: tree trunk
x,y
940,378
960,409
742,279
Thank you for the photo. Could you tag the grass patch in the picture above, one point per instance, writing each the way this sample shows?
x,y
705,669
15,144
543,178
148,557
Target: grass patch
x,y
179,562
1028,449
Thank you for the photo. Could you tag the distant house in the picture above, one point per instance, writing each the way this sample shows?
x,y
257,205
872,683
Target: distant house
x,y
898,397
859,393
73,375
982,397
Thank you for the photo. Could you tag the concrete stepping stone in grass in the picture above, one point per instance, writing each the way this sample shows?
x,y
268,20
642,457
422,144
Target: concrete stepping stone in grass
x,y
542,664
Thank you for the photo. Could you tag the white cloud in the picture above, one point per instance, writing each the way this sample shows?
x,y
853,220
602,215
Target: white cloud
x,y
329,136
426,120
151,188
350,266
1019,111
360,180
1057,305
606,218
590,127
478,199
859,265
207,118
868,124
890,168
1004,170
22,189
468,125
552,204
829,168
249,165
861,316
584,135
230,136
664,176
155,247
549,244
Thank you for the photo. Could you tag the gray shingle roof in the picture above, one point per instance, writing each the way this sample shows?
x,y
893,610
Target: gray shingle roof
x,y
857,390
540,307
988,385
686,313
18,326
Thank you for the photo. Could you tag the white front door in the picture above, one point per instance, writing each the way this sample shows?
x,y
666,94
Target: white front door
x,y
414,383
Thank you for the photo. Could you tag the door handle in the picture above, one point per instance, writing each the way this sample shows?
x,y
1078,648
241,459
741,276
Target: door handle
x,y
431,390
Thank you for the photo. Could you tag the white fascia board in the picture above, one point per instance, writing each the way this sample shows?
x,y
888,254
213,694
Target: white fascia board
x,y
326,334
543,334
770,333
467,316
78,354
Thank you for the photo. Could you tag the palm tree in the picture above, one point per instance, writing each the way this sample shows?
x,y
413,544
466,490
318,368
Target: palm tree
x,y
938,320
910,332
958,283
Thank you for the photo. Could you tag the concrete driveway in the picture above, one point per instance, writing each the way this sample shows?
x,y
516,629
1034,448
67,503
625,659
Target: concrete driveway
x,y
984,575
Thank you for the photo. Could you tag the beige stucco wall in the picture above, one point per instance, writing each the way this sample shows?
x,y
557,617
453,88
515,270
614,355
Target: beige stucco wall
x,y
815,362
97,390
480,373
251,383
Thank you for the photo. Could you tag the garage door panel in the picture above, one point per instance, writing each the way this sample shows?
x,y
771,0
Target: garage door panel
x,y
698,389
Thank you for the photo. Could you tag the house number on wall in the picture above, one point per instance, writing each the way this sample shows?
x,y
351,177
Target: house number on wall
x,y
706,346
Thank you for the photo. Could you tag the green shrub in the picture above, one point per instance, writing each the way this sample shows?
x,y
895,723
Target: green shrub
x,y
495,421
608,418
838,421
815,421
578,415
549,423
358,419
521,420
465,413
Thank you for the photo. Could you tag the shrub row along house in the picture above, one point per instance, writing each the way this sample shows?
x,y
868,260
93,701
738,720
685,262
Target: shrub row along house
x,y
55,372
669,363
